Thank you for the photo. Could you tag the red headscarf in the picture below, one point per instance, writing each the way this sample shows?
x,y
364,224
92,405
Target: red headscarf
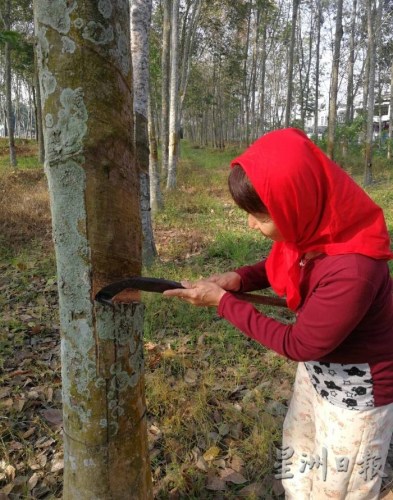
x,y
315,205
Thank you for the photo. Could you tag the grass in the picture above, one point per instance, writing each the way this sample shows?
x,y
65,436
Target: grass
x,y
207,385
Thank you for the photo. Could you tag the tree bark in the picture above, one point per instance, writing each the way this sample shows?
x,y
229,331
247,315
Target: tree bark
x,y
349,113
390,141
155,189
165,94
371,48
334,81
295,7
263,77
174,93
317,61
140,26
245,96
86,83
253,76
186,53
38,114
8,91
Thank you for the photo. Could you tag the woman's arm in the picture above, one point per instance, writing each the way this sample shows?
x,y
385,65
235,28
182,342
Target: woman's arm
x,y
253,277
331,313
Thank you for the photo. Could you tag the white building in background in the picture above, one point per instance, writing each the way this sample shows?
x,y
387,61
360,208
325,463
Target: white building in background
x,y
382,113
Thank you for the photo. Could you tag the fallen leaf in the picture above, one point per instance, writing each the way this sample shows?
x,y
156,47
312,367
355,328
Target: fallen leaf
x,y
174,494
149,346
57,465
10,472
276,409
214,483
236,463
19,404
220,463
154,453
214,436
191,376
4,392
20,483
49,395
223,429
232,476
44,442
33,394
16,373
236,430
154,430
168,354
39,462
36,329
7,490
202,465
255,489
15,446
6,403
211,453
32,482
53,416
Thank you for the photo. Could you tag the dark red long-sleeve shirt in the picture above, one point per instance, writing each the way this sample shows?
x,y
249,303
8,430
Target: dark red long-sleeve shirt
x,y
345,318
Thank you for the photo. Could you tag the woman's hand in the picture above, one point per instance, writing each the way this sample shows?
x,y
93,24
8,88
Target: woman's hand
x,y
199,293
230,281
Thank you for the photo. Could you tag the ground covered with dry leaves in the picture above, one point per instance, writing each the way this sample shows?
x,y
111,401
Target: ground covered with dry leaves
x,y
216,400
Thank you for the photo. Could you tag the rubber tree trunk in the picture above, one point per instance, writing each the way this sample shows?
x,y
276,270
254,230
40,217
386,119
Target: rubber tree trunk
x,y
165,82
334,81
349,112
390,145
174,99
155,189
38,114
186,49
140,26
86,88
262,111
317,62
371,48
8,91
295,7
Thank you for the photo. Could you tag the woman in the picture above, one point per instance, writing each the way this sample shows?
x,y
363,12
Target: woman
x,y
329,259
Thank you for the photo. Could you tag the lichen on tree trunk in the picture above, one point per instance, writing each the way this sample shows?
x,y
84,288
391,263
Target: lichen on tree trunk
x,y
85,80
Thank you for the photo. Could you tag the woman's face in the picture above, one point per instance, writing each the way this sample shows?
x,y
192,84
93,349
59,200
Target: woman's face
x,y
264,224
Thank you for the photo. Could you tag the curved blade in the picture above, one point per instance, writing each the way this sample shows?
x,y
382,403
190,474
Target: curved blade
x,y
157,285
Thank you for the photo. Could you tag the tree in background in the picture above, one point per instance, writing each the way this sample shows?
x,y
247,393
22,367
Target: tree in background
x,y
174,97
165,82
319,21
390,136
85,76
21,90
334,80
288,108
7,23
156,200
371,52
140,27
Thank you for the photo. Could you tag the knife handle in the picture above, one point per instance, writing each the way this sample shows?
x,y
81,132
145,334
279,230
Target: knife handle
x,y
260,299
